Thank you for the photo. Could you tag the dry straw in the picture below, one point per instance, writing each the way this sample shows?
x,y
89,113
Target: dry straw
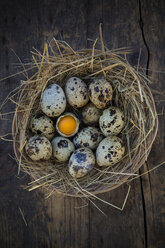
x,y
131,93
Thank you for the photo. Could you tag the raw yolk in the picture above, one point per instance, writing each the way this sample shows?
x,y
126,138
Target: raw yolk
x,y
67,125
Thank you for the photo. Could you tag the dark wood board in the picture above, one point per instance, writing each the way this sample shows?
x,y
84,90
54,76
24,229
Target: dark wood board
x,y
64,221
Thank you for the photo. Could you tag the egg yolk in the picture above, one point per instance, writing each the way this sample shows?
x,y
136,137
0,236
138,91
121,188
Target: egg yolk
x,y
67,125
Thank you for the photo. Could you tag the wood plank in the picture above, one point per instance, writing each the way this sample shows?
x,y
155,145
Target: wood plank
x,y
68,221
121,29
25,25
153,184
94,18
14,232
120,229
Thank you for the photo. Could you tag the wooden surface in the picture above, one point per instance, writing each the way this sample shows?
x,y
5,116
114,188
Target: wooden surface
x,y
63,221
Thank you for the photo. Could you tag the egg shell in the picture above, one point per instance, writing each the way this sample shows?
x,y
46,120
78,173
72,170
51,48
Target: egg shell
x,y
88,137
110,151
111,121
76,92
43,125
77,121
53,100
100,93
62,148
91,114
81,162
38,148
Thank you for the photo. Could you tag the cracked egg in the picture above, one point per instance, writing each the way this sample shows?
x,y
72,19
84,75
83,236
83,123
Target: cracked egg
x,y
67,125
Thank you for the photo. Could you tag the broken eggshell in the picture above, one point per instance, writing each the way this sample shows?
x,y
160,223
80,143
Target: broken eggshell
x,y
68,125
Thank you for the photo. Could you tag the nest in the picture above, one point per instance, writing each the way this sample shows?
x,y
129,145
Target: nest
x,y
131,93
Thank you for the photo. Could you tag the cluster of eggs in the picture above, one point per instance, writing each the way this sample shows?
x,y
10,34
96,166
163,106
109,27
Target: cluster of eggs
x,y
95,143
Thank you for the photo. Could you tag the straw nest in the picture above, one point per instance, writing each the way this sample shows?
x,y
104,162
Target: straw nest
x,y
131,93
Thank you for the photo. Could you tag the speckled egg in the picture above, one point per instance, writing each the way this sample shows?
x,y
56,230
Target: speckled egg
x,y
53,100
76,92
91,114
67,124
110,150
42,125
100,93
62,148
81,162
38,148
111,121
88,137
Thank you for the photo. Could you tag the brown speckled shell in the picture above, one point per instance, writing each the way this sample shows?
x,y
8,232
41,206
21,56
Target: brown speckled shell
x,y
100,93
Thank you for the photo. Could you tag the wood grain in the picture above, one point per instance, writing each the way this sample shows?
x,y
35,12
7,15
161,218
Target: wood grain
x,y
117,32
27,219
153,185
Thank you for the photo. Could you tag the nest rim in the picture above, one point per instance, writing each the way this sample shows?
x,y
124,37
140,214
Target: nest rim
x,y
111,187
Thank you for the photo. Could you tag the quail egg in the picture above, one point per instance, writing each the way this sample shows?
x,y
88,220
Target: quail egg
x,y
110,151
38,148
111,121
81,162
42,125
67,125
91,114
62,148
88,137
53,100
100,93
76,92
